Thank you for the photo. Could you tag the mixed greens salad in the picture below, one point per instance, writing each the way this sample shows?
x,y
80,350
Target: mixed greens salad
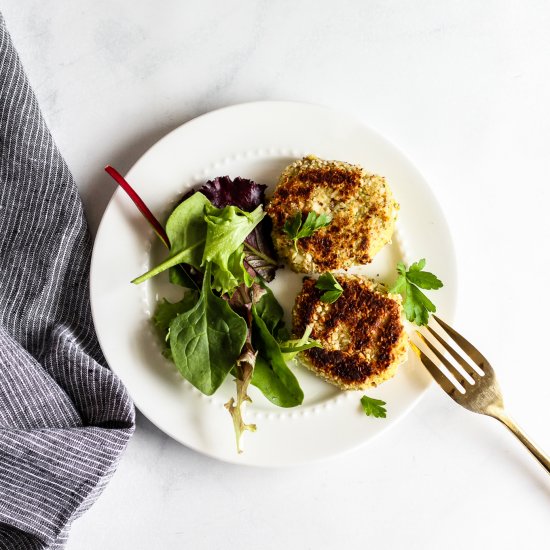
x,y
229,321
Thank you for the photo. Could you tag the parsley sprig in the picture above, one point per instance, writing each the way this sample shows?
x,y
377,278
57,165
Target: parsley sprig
x,y
298,228
373,407
331,286
416,304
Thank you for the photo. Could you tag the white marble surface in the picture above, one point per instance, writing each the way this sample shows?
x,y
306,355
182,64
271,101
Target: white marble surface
x,y
463,88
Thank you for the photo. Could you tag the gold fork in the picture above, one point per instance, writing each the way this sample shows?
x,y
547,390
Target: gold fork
x,y
483,395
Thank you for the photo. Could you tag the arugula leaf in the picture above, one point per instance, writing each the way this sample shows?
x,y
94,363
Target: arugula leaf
x,y
333,289
297,228
416,305
373,407
271,373
207,340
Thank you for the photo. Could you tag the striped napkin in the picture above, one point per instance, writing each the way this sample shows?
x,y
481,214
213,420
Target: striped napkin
x,y
65,419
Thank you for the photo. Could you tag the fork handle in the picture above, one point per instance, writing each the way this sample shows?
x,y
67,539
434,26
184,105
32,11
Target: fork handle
x,y
536,451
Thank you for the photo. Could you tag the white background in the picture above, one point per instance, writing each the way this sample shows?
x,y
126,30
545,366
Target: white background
x,y
463,88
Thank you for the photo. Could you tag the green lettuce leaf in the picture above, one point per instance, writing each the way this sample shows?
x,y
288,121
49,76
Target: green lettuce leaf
x,y
166,312
207,340
228,227
271,313
186,229
202,234
271,373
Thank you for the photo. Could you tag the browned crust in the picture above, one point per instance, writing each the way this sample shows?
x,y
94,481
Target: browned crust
x,y
341,190
371,322
344,179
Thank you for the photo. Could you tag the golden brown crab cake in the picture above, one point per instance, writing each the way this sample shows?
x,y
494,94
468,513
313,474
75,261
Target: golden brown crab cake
x,y
362,333
361,204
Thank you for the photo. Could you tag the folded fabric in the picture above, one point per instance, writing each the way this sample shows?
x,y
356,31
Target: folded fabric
x,y
65,419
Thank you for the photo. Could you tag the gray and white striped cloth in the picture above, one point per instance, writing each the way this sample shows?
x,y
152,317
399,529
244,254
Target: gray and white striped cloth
x,y
65,419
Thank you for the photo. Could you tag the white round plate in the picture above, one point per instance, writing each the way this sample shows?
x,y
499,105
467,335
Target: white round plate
x,y
256,141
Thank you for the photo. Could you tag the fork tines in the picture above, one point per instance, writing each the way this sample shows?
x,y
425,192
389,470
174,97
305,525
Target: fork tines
x,y
461,382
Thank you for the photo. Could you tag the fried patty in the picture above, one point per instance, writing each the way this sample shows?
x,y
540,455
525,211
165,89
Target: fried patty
x,y
362,334
361,204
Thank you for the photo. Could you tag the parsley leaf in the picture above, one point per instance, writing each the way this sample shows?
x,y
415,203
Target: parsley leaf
x,y
328,282
416,305
373,407
297,228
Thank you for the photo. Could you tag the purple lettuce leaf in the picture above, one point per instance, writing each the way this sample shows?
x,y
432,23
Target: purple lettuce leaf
x,y
259,251
223,191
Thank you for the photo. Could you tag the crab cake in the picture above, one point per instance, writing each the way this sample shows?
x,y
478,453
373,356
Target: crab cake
x,y
362,334
361,204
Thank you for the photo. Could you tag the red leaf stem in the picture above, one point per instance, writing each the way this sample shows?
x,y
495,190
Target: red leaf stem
x,y
159,230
